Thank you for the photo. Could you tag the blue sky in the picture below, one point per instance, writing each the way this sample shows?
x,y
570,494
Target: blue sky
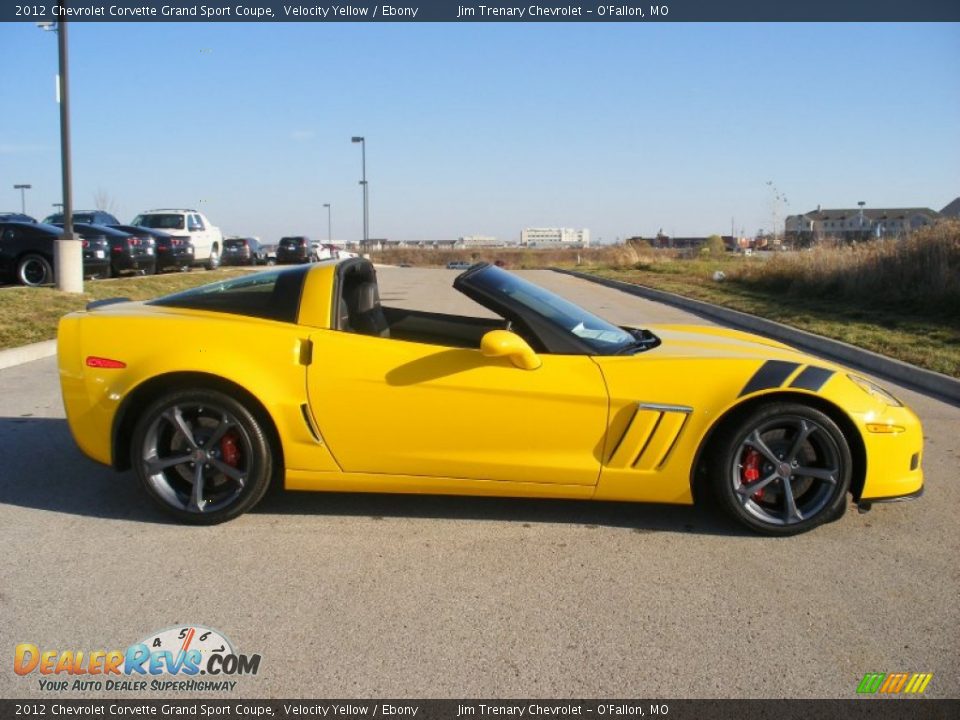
x,y
486,128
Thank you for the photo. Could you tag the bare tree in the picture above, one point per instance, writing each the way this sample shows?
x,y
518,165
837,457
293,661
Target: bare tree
x,y
102,200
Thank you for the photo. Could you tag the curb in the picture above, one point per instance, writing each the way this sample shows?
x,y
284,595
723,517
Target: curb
x,y
926,381
27,353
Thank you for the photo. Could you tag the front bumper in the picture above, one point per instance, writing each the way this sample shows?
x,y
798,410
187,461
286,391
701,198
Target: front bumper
x,y
894,459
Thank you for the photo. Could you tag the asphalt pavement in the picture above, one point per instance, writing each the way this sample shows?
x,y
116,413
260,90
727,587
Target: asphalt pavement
x,y
365,596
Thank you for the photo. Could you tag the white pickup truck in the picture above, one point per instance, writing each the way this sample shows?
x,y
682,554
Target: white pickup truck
x,y
191,225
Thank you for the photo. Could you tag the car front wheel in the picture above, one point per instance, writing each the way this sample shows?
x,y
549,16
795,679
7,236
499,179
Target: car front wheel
x,y
34,270
202,456
782,470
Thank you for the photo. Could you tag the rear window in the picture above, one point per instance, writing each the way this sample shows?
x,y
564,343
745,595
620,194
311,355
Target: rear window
x,y
234,243
273,295
160,221
293,242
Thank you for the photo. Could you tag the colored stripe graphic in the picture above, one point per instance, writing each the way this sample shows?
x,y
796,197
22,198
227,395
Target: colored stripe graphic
x,y
811,378
894,683
770,375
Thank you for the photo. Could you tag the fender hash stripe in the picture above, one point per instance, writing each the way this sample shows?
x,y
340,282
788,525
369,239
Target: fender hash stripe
x,y
770,375
811,378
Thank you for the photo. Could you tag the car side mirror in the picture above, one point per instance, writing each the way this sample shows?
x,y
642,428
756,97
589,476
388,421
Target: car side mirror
x,y
503,343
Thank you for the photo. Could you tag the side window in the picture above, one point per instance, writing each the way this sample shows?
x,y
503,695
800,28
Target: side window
x,y
196,224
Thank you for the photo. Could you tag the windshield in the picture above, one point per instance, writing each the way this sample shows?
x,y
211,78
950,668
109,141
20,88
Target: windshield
x,y
160,221
604,337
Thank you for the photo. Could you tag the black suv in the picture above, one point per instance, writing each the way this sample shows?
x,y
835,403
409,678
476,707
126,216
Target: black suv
x,y
296,249
28,249
243,251
89,217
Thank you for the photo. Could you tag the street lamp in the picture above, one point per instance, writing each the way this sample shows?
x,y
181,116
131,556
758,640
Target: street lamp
x,y
69,253
23,196
363,182
329,225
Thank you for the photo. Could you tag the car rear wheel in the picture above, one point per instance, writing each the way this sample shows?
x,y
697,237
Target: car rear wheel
x,y
33,270
214,260
202,456
783,469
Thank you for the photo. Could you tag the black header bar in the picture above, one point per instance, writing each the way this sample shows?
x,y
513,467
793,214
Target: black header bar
x,y
299,709
487,11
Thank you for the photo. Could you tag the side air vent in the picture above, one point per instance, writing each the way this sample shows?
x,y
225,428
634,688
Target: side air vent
x,y
308,421
649,436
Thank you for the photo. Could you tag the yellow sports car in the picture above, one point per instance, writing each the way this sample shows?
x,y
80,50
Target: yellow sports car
x,y
301,376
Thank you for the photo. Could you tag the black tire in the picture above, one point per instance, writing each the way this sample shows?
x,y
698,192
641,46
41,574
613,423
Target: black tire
x,y
213,262
224,436
793,457
33,270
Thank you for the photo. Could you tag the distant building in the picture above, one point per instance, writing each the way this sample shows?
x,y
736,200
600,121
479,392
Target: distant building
x,y
952,210
553,237
480,241
851,224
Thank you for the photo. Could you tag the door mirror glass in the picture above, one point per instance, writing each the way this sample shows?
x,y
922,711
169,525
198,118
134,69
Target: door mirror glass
x,y
503,343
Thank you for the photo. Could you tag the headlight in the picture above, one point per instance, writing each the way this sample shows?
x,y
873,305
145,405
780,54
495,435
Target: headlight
x,y
878,392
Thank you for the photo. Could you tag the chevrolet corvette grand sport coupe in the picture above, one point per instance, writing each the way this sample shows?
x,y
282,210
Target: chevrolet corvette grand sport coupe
x,y
300,376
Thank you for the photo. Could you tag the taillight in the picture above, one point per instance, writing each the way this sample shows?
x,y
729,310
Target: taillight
x,y
85,244
133,241
106,363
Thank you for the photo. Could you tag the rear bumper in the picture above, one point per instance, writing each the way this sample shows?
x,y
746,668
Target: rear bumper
x,y
181,257
139,262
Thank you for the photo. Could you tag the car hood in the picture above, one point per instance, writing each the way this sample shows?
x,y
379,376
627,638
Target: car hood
x,y
707,341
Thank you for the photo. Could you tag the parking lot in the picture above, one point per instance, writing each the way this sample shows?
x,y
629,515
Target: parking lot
x,y
392,596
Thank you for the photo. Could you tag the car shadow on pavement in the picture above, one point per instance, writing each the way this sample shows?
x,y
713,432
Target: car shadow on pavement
x,y
641,518
42,468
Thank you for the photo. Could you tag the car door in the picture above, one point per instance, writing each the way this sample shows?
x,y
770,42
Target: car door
x,y
404,408
7,240
200,235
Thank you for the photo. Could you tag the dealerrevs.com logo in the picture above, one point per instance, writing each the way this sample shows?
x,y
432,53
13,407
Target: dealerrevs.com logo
x,y
169,661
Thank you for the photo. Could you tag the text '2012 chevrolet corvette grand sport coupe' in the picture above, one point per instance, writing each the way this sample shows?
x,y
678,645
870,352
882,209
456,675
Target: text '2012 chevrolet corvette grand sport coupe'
x,y
302,377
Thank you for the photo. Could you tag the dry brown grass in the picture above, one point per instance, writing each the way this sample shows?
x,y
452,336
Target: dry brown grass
x,y
920,274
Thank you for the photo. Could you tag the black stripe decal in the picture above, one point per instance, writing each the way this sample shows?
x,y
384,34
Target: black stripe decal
x,y
770,375
812,378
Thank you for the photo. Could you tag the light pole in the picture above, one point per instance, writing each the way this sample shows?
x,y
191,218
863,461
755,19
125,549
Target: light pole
x,y
363,182
329,224
23,196
69,269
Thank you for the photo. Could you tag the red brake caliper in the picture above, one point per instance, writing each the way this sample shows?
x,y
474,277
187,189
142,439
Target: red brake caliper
x,y
750,471
229,450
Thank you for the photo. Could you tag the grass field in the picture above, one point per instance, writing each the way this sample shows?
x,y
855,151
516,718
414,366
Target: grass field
x,y
29,315
898,298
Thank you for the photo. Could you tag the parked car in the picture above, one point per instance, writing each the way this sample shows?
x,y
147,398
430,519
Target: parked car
x,y
563,405
169,251
28,252
243,251
297,249
16,217
458,265
128,252
89,217
191,225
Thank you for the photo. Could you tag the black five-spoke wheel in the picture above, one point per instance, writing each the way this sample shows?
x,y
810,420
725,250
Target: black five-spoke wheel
x,y
201,455
783,469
